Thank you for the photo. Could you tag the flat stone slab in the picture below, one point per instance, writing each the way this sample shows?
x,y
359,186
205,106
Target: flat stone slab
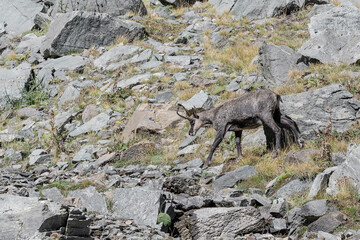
x,y
77,31
230,179
22,217
334,35
139,204
91,199
19,15
95,124
13,82
207,223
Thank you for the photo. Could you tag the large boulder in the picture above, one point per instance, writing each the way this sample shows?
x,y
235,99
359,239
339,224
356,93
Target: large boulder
x,y
19,15
258,9
311,110
276,63
334,35
150,118
208,223
91,199
13,83
22,217
112,7
139,204
347,174
80,30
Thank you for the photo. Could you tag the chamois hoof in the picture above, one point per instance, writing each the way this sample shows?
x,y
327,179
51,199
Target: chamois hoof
x,y
205,166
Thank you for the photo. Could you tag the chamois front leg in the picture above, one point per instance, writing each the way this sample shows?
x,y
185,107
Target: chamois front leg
x,y
219,137
238,143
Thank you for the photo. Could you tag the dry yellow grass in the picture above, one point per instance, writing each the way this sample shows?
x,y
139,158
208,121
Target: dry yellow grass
x,y
182,85
188,93
236,57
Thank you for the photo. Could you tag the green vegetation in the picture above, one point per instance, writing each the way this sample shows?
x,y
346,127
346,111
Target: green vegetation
x,y
66,186
165,219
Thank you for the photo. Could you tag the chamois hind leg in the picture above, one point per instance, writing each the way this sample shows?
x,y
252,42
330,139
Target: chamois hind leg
x,y
219,137
238,143
288,123
269,121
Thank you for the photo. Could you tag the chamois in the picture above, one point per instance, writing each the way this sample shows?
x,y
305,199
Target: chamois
x,y
261,107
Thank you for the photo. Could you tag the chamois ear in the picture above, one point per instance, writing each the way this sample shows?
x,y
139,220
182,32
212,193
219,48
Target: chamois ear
x,y
195,114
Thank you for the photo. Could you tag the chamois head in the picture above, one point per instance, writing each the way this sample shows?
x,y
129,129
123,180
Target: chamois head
x,y
195,122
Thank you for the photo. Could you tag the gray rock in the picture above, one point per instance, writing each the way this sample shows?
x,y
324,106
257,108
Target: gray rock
x,y
327,223
89,112
86,153
73,63
191,149
186,203
70,93
347,170
180,60
151,65
276,62
164,97
80,30
91,199
278,225
77,226
32,45
311,110
327,236
331,42
163,11
95,124
296,186
230,179
112,7
22,217
200,101
278,208
13,156
39,156
312,210
19,15
234,85
13,83
53,194
142,57
301,156
29,112
258,200
195,163
42,21
257,9
256,139
191,139
139,204
320,182
180,76
179,184
133,81
114,54
208,223
338,158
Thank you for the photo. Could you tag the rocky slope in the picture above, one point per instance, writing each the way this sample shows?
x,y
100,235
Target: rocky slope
x,y
92,146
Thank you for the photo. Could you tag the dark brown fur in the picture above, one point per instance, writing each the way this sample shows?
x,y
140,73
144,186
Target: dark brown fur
x,y
261,107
